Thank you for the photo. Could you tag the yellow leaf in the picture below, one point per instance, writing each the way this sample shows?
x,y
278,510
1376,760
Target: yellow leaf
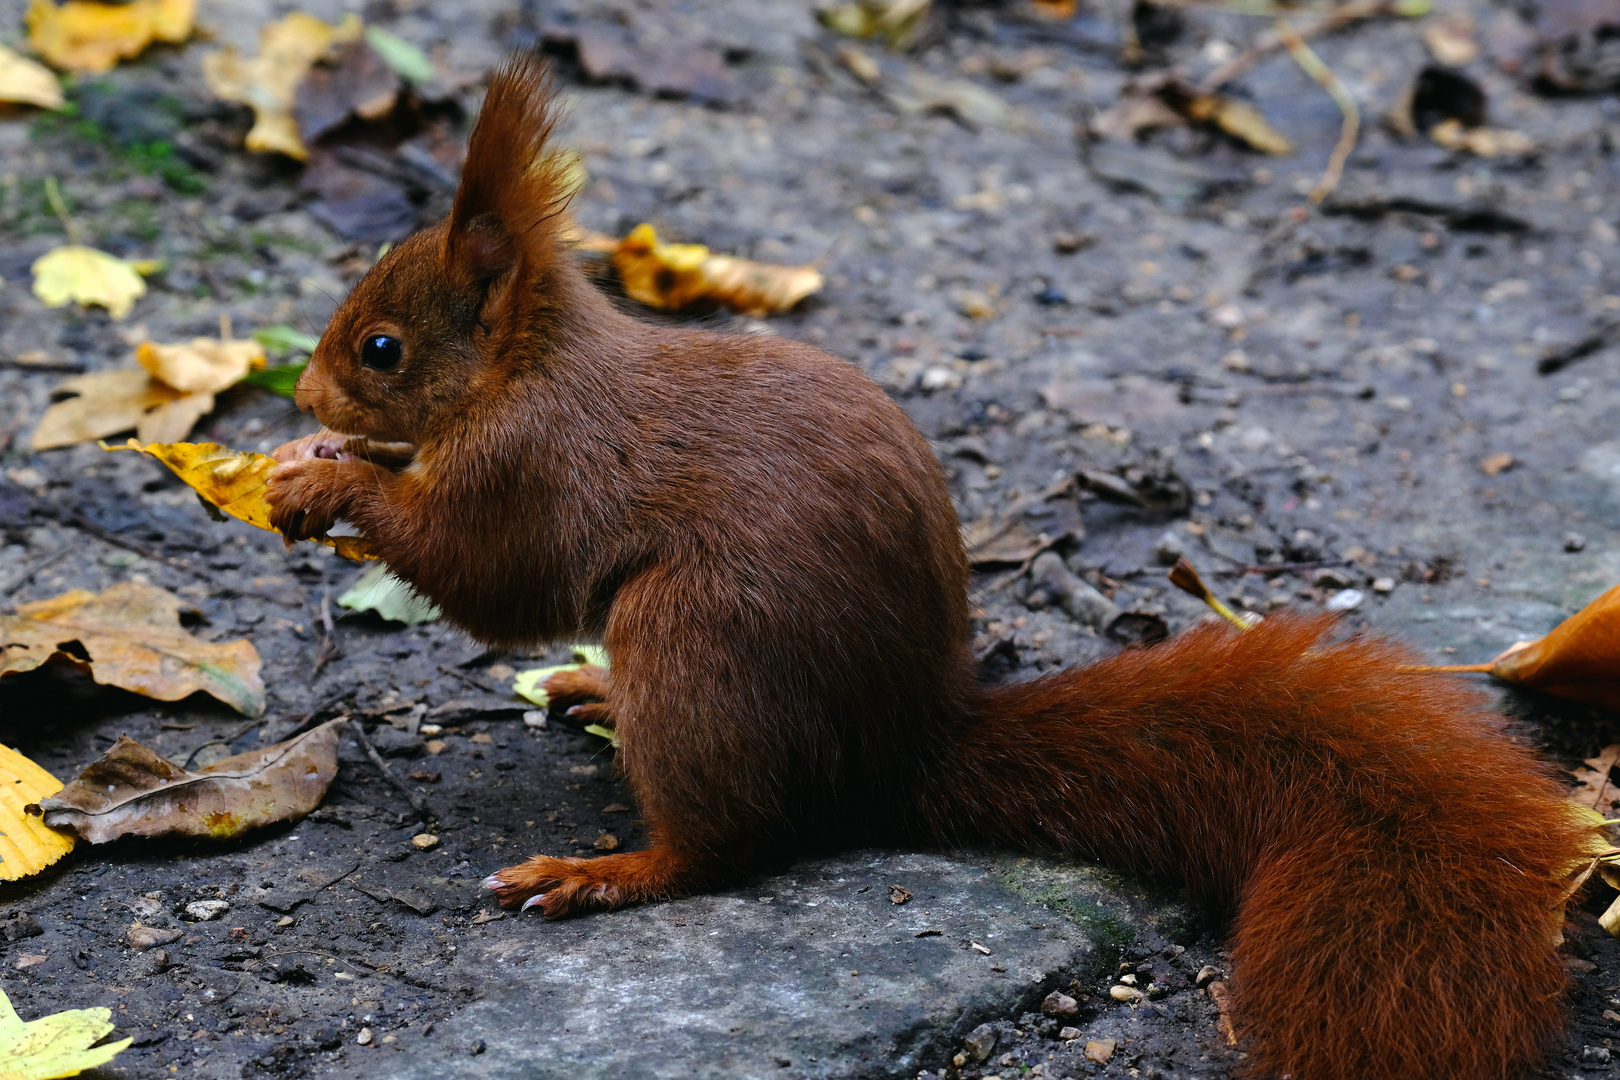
x,y
234,481
202,364
269,82
132,636
61,1044
27,844
1240,120
24,81
75,272
85,36
674,276
107,402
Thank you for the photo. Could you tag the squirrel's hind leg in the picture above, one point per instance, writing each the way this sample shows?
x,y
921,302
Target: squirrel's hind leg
x,y
565,887
580,693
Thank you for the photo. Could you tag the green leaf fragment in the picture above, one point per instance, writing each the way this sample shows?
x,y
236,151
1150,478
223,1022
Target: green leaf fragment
x,y
285,339
408,62
380,591
282,380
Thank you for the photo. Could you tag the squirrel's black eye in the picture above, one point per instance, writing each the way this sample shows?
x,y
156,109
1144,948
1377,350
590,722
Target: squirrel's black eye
x,y
381,353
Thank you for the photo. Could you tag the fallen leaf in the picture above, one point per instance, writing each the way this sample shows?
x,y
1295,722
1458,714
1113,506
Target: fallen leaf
x,y
28,83
1485,142
527,684
269,82
1449,37
357,82
61,1044
1580,659
1165,101
380,591
909,89
1598,789
87,37
675,276
281,380
74,272
281,339
661,64
234,481
409,62
1238,119
897,23
27,846
106,402
131,638
206,365
131,791
1100,1050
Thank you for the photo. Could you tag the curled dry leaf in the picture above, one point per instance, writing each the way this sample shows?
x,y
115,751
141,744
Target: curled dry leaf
x,y
1580,659
269,82
27,845
202,364
132,791
61,1044
234,482
675,276
132,639
897,23
106,402
28,83
75,273
88,37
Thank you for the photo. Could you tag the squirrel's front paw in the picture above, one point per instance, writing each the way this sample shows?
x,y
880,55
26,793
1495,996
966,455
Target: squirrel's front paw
x,y
306,498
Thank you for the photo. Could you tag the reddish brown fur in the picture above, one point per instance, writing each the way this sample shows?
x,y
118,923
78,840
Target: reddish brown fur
x,y
765,545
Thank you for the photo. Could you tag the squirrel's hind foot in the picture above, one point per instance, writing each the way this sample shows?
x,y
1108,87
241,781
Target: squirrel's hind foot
x,y
565,887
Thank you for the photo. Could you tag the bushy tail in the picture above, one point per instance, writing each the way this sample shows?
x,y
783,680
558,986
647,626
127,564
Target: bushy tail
x,y
1392,859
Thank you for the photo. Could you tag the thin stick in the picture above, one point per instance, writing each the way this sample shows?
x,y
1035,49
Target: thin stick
x,y
1316,69
1270,42
418,803
53,194
1451,669
28,575
473,681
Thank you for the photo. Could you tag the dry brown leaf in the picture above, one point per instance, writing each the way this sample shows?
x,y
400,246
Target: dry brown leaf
x,y
27,846
132,791
132,637
201,365
269,82
235,482
1238,119
28,83
107,402
1580,659
1597,790
675,276
1486,142
88,37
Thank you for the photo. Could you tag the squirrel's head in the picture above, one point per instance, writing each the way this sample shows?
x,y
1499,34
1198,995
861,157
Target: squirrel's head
x,y
443,318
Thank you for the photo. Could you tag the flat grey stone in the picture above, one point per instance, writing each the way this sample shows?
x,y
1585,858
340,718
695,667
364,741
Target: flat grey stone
x,y
814,973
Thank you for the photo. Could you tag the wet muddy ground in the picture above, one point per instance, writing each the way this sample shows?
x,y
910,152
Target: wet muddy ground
x,y
1407,392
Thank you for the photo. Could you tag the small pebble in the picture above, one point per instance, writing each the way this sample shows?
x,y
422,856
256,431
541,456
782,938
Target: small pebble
x,y
1128,980
1128,994
430,729
476,1048
1574,542
1383,586
364,1038
424,841
206,910
979,1042
1100,1050
1059,1004
1497,463
1069,1033
150,937
1345,600
1168,549
535,718
1329,578
1206,975
483,738
286,921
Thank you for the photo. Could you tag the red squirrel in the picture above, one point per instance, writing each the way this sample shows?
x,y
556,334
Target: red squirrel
x,y
766,547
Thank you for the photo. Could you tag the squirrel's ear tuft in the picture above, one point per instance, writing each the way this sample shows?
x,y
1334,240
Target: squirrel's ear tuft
x,y
511,189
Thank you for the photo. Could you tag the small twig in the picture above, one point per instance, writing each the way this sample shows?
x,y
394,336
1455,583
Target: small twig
x,y
329,647
29,574
419,804
1279,568
55,367
304,722
1185,578
79,521
226,741
1270,42
473,681
1316,69
53,195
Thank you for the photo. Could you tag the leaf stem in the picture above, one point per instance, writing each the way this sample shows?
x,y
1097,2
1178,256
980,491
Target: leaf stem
x,y
1316,69
53,194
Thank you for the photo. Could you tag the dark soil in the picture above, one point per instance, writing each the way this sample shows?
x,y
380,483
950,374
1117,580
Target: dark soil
x,y
1306,396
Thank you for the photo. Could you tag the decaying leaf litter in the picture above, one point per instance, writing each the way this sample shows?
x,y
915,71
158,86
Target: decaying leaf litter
x,y
975,287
